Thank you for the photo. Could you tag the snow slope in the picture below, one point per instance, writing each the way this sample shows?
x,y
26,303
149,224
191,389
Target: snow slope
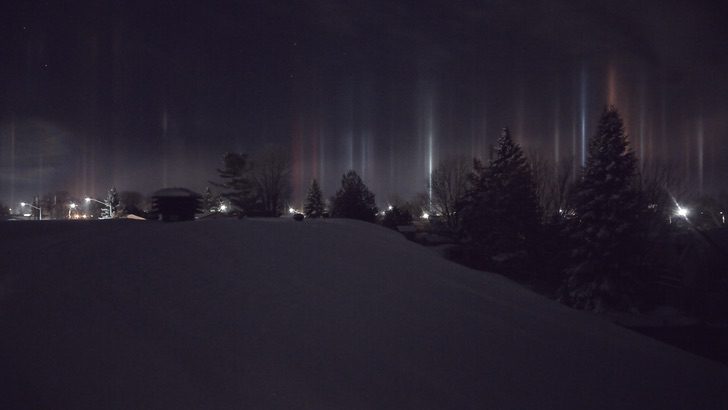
x,y
315,314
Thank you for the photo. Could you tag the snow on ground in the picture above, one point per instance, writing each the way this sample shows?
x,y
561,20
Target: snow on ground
x,y
315,314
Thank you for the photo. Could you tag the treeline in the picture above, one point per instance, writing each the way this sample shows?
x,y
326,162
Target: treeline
x,y
597,236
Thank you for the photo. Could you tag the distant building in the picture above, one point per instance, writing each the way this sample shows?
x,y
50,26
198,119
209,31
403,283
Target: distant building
x,y
176,204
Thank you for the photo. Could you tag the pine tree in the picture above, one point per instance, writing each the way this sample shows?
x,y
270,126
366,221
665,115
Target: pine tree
x,y
112,202
314,206
501,215
236,179
354,200
210,201
604,232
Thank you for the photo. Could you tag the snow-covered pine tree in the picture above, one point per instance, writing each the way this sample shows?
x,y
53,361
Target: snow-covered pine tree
x,y
210,201
314,206
604,231
112,201
354,200
501,215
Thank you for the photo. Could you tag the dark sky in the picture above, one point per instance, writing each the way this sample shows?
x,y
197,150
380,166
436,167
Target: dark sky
x,y
142,95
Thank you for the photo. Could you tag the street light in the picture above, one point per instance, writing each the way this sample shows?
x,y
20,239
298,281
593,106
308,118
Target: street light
x,y
70,207
89,199
680,211
40,211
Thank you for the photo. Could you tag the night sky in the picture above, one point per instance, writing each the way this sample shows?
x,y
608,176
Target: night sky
x,y
143,95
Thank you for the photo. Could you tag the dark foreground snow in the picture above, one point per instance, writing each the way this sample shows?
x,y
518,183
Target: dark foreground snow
x,y
319,314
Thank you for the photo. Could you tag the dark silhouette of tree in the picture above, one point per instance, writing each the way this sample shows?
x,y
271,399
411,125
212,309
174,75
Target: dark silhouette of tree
x,y
314,206
449,184
553,181
4,210
396,217
236,178
271,173
501,216
353,200
605,228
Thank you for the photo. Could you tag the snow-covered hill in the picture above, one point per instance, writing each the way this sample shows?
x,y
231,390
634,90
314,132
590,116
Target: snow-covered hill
x,y
317,314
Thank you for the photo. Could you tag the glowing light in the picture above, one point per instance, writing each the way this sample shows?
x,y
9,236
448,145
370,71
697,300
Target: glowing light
x,y
390,207
291,211
557,133
40,211
223,208
72,205
701,154
583,108
683,212
430,146
611,85
425,215
642,121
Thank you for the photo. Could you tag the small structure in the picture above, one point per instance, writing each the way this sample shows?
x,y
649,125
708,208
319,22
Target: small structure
x,y
176,204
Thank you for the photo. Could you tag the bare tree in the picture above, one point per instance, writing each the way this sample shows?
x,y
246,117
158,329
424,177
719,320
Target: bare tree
x,y
662,184
543,172
449,183
271,175
552,180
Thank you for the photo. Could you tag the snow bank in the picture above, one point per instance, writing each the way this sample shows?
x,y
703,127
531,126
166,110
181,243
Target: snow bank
x,y
319,314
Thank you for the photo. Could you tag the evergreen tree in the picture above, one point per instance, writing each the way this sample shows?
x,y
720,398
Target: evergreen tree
x,y
501,215
604,232
236,179
314,206
210,201
353,200
112,201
